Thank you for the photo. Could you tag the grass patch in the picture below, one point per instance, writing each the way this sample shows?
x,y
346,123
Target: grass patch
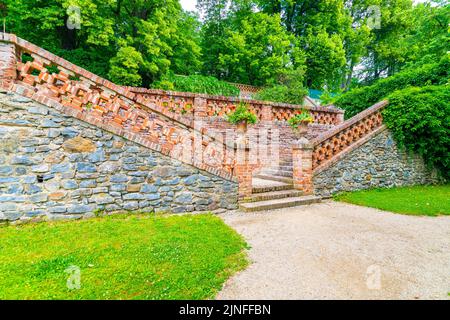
x,y
120,257
417,200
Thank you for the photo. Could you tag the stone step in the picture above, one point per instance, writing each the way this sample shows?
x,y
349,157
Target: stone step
x,y
278,203
272,195
286,168
269,188
276,172
274,178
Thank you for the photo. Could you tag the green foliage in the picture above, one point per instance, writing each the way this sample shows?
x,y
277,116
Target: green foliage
x,y
417,200
125,67
127,256
326,98
300,118
253,42
361,98
258,51
419,119
159,31
95,60
242,114
197,84
325,56
289,88
187,54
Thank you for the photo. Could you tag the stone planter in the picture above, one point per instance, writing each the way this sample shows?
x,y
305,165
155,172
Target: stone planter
x,y
241,130
241,127
301,131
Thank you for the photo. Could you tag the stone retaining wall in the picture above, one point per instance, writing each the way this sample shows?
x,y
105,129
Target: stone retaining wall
x,y
376,163
56,166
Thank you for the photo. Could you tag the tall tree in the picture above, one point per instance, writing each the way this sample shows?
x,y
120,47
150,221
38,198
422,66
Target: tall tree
x,y
141,39
320,26
258,51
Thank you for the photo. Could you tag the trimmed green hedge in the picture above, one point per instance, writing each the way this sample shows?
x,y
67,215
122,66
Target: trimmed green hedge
x,y
361,98
197,84
419,119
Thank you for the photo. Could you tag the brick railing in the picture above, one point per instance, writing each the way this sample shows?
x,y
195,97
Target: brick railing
x,y
309,157
337,140
74,91
188,104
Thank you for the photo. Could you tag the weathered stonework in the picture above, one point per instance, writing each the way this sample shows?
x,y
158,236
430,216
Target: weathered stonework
x,y
55,166
376,163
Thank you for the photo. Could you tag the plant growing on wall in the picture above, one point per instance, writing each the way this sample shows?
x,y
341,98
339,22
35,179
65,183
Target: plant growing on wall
x,y
303,118
241,117
242,114
299,122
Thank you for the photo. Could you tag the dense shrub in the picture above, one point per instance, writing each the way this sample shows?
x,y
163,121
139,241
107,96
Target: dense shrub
x,y
281,93
419,119
197,84
361,98
95,61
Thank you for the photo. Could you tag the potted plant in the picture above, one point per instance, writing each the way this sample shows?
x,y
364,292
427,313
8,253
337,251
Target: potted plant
x,y
241,117
299,123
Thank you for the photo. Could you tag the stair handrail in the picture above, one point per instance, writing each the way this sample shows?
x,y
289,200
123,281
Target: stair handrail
x,y
338,139
106,98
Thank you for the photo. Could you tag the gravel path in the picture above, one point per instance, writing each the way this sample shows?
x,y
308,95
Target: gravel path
x,y
339,251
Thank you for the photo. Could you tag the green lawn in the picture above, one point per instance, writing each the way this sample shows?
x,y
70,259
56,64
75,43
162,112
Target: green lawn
x,y
120,257
417,200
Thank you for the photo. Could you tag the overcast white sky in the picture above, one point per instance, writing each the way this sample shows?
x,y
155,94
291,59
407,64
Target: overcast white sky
x,y
189,5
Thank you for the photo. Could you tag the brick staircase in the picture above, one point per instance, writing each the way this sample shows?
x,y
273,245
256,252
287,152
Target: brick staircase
x,y
280,173
269,193
188,128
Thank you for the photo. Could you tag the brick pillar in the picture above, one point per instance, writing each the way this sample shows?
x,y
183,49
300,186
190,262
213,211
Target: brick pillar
x,y
8,65
266,113
340,117
199,108
244,170
302,165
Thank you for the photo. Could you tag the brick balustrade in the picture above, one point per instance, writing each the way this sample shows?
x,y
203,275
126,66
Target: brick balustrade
x,y
183,103
72,90
328,147
333,142
176,124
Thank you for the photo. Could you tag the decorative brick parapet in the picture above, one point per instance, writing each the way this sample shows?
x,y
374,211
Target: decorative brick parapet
x,y
333,142
302,166
219,106
348,150
180,125
375,161
54,166
83,95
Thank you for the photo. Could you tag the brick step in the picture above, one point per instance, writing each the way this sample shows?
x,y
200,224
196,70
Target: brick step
x,y
279,203
274,178
276,172
272,195
263,189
